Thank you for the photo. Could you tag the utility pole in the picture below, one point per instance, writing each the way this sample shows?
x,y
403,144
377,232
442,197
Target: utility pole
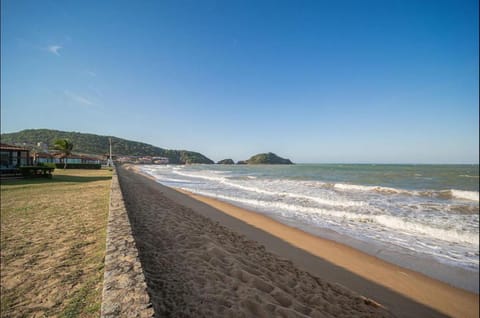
x,y
110,161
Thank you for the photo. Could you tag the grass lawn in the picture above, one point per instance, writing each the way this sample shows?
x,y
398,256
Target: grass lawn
x,y
53,244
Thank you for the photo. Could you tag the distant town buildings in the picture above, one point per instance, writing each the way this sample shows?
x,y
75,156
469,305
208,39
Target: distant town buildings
x,y
143,160
42,146
22,154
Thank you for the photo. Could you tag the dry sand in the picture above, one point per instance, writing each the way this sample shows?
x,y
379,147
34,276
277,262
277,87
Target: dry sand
x,y
197,266
445,298
53,244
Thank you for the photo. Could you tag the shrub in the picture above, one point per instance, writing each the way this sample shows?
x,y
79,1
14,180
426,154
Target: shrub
x,y
79,165
36,171
47,164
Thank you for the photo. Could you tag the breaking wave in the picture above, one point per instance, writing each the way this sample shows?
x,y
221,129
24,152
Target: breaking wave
x,y
443,194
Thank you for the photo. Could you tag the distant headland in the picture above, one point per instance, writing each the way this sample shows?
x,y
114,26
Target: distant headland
x,y
98,145
42,140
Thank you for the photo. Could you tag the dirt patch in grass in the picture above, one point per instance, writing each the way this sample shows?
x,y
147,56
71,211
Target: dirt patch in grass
x,y
53,244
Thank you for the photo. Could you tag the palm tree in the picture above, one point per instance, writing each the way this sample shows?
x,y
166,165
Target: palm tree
x,y
65,147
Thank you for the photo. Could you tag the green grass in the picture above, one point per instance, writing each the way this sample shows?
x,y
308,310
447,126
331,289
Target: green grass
x,y
53,244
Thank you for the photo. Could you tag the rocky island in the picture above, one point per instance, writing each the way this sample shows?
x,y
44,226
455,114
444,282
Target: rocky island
x,y
226,162
268,158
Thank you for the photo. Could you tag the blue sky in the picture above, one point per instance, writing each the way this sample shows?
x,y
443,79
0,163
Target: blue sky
x,y
314,81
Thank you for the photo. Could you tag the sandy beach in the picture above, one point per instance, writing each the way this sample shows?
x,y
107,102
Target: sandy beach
x,y
205,258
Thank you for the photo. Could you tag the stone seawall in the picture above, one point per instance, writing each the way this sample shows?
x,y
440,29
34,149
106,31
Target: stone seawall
x,y
124,288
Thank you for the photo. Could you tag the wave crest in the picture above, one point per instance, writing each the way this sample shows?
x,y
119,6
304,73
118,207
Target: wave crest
x,y
443,194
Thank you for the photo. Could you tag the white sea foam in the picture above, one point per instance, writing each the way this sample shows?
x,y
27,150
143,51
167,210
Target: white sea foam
x,y
452,193
391,222
248,187
468,195
355,187
449,235
205,176
285,206
322,201
174,180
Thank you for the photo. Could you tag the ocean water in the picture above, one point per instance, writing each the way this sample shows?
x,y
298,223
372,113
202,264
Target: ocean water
x,y
411,215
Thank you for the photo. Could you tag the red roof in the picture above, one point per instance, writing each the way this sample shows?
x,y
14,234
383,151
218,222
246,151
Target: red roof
x,y
43,155
10,147
60,155
73,156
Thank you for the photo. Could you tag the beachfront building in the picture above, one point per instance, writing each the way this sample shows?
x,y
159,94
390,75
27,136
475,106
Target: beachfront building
x,y
160,160
91,160
12,157
78,159
43,157
42,146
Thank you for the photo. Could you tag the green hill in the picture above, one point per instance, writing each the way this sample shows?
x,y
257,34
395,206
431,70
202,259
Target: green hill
x,y
99,145
268,158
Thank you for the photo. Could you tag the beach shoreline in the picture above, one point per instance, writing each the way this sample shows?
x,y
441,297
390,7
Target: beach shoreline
x,y
407,283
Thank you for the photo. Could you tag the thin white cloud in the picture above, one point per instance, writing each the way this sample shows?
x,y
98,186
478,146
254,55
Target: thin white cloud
x,y
77,98
54,49
94,90
91,73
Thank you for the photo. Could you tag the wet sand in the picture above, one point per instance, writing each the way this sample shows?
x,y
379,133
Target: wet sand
x,y
216,259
